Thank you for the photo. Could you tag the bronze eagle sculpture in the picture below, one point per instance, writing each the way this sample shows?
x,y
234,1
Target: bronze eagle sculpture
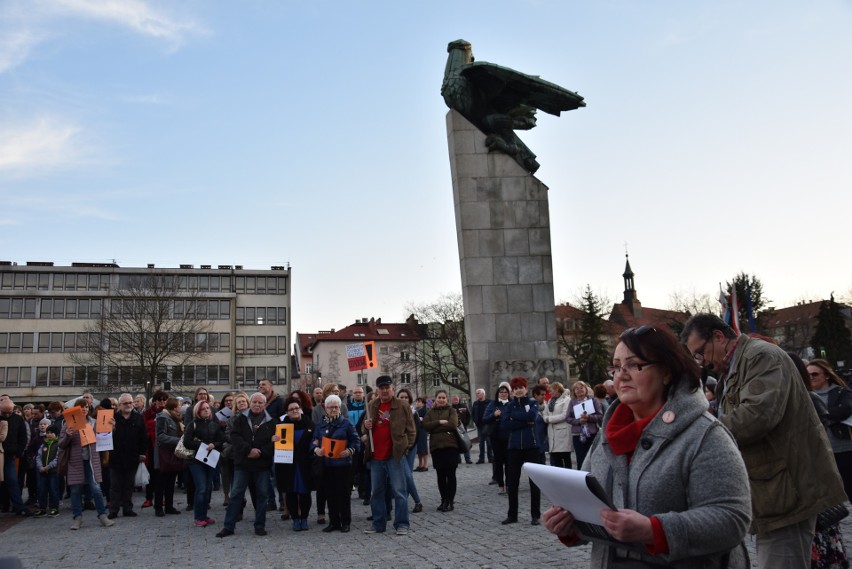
x,y
498,100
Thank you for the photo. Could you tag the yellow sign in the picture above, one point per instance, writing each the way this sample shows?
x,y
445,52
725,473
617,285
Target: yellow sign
x,y
285,436
104,416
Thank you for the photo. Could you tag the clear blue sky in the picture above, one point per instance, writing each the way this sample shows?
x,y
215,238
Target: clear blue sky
x,y
716,139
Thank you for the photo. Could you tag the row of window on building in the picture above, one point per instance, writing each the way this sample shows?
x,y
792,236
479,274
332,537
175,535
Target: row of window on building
x,y
101,282
76,308
88,376
29,342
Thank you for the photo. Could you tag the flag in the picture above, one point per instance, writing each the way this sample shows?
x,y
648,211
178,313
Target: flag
x,y
734,309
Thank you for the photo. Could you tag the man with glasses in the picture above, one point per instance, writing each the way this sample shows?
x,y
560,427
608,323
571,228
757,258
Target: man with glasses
x,y
764,403
130,443
391,427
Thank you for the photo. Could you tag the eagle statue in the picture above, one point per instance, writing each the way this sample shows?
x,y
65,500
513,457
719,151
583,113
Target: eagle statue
x,y
499,100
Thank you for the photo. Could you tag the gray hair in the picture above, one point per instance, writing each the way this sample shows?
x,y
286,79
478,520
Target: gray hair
x,y
257,393
125,395
333,399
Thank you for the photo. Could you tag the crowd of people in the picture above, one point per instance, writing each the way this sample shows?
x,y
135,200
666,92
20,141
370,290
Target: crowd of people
x,y
762,447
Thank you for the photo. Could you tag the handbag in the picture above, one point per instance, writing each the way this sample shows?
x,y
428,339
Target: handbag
x,y
462,438
182,452
830,517
169,461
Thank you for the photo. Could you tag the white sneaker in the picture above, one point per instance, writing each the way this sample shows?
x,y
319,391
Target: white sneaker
x,y
402,531
78,521
105,521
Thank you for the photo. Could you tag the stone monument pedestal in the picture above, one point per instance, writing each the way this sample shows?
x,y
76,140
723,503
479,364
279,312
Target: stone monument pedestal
x,y
503,231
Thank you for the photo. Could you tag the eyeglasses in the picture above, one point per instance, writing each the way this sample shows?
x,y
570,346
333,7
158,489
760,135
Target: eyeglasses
x,y
640,331
632,367
698,355
332,406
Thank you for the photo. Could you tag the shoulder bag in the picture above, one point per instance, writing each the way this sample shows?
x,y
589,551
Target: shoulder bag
x,y
462,438
182,452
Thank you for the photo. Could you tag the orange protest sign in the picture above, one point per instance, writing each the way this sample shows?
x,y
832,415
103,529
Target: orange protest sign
x,y
285,434
333,448
75,418
87,435
104,417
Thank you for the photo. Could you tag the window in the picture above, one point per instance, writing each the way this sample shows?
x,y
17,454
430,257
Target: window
x,y
27,342
405,377
29,308
436,358
282,345
362,379
436,380
44,342
282,374
404,356
309,368
383,350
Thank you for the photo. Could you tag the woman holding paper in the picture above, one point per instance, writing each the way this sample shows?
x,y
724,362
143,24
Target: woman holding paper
x,y
673,472
294,479
203,431
336,441
84,467
584,415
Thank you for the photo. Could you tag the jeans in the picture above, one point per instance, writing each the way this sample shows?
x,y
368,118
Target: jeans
x,y
203,477
409,475
48,487
94,488
484,445
382,471
259,480
10,475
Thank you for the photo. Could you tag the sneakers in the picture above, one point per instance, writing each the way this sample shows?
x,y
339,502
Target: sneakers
x,y
418,507
372,530
147,504
105,521
78,521
210,521
52,513
201,523
401,531
40,513
225,532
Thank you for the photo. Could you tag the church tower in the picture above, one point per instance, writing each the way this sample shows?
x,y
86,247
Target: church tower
x,y
630,298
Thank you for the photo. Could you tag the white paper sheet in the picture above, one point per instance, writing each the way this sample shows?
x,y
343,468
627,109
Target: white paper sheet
x,y
207,457
569,489
103,441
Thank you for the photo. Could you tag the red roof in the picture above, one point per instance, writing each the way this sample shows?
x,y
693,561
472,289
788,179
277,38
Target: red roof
x,y
622,316
373,329
793,315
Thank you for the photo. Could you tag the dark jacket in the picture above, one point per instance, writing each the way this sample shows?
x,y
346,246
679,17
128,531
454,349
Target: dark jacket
x,y
342,429
203,431
244,438
441,435
477,411
501,430
302,458
129,440
519,417
16,438
464,413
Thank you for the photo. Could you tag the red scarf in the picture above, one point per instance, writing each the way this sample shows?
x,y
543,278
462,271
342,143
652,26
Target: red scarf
x,y
623,429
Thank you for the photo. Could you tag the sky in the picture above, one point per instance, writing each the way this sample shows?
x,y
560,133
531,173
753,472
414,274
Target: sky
x,y
312,133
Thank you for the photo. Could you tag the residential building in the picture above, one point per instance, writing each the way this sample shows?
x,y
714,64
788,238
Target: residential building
x,y
793,327
226,327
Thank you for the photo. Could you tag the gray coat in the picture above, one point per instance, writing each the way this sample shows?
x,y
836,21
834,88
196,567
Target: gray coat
x,y
686,470
168,434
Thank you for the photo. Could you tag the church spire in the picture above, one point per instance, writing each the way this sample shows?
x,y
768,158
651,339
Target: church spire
x,y
630,297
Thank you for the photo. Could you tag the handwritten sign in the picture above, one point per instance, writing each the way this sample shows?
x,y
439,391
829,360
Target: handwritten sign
x,y
87,435
75,418
356,357
285,444
333,448
104,417
104,442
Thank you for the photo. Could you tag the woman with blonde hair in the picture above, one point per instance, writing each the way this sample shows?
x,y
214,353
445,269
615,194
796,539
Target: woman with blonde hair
x,y
584,414
838,398
555,414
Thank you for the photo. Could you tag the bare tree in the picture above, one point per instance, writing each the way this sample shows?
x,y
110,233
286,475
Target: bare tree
x,y
151,323
692,303
441,354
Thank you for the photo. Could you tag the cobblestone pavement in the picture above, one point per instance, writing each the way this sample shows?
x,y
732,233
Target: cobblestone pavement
x,y
470,536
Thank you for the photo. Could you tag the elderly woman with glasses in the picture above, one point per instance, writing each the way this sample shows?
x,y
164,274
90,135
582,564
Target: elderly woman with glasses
x,y
584,416
672,471
294,479
336,441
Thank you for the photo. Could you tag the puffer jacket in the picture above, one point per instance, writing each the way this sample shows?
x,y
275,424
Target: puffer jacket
x,y
340,428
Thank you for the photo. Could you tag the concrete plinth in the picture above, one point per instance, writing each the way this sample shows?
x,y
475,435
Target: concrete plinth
x,y
503,230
